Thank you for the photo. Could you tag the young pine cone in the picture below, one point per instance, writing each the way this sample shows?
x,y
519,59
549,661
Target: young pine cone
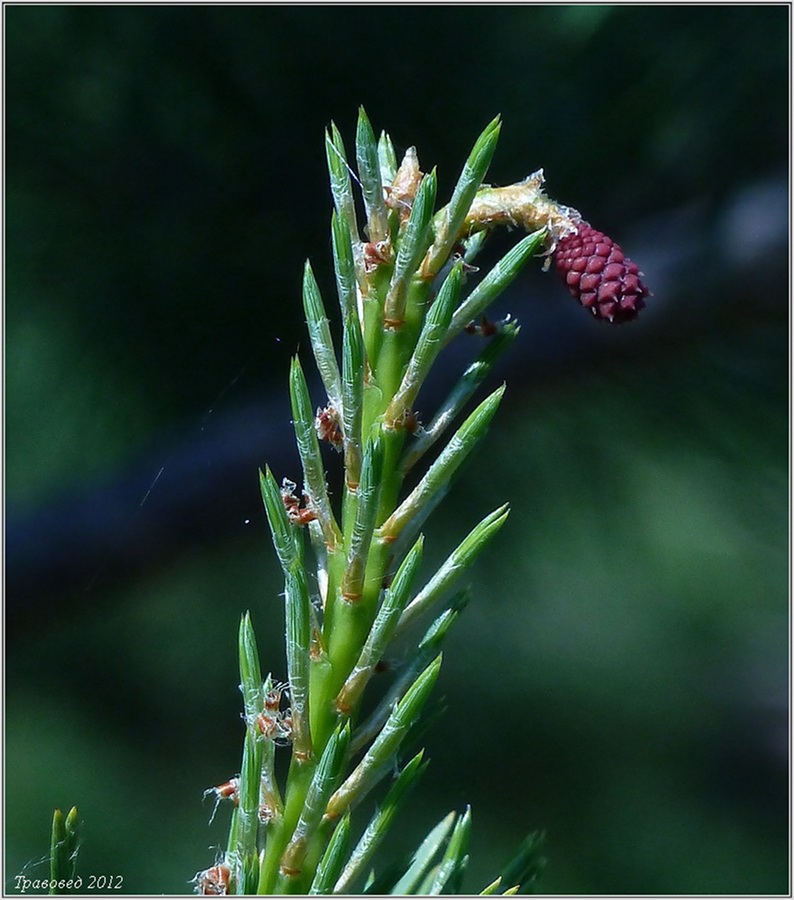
x,y
599,275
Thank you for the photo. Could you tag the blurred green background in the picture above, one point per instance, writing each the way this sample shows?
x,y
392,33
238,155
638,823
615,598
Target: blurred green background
x,y
621,678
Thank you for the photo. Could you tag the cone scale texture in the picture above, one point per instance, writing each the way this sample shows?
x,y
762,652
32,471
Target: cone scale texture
x,y
599,276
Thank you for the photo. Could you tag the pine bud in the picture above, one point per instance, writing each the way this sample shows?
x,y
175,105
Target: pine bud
x,y
599,276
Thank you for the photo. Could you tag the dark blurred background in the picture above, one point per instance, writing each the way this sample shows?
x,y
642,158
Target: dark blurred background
x,y
621,677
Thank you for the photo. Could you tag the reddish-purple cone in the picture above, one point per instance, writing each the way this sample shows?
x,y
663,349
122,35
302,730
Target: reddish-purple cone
x,y
599,275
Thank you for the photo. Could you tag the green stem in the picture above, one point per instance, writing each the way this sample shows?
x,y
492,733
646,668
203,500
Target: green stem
x,y
393,328
298,781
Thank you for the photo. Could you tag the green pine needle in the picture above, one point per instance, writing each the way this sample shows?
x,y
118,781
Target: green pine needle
x,y
495,282
298,625
375,833
344,266
64,843
460,395
250,673
320,337
387,159
436,482
341,185
288,544
330,866
326,777
380,755
450,219
428,346
370,175
353,359
413,246
449,873
311,459
458,562
382,629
